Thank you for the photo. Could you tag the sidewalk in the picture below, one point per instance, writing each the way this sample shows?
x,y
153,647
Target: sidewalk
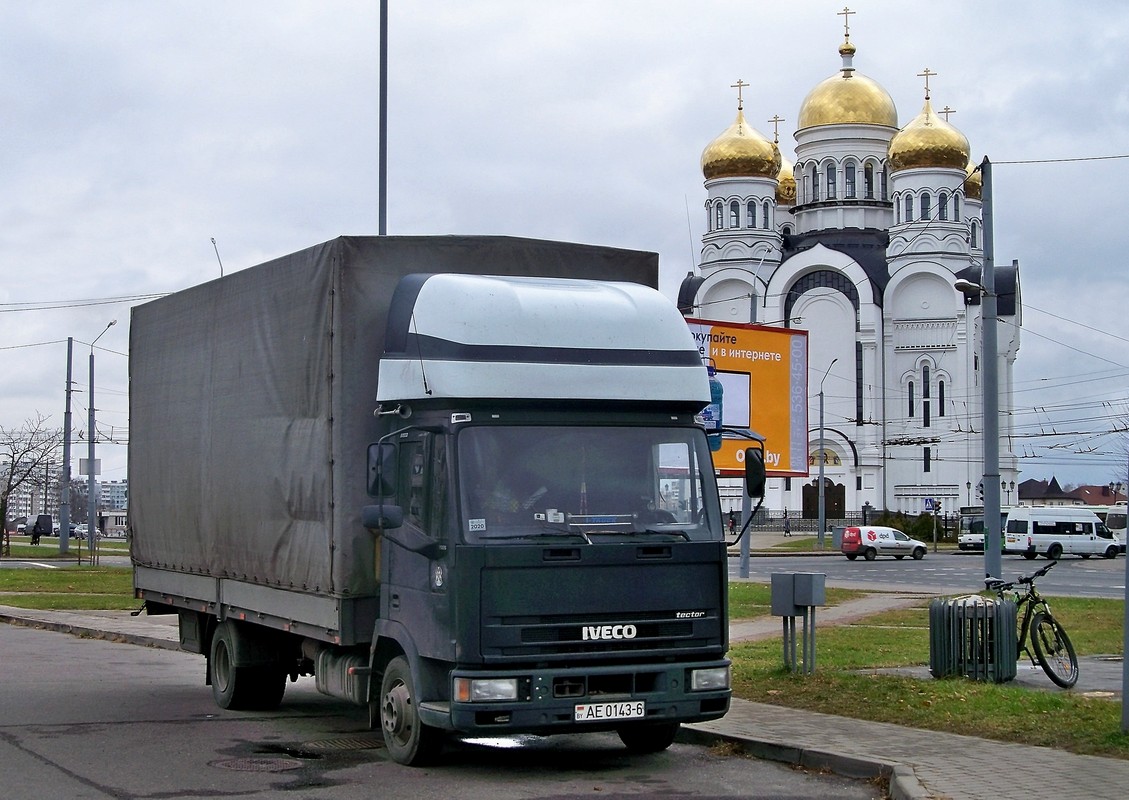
x,y
919,763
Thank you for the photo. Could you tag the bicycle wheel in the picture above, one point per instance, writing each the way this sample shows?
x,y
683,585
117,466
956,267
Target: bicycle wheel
x,y
1053,650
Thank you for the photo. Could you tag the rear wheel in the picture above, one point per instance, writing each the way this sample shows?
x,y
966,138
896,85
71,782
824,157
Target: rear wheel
x,y
870,554
648,737
918,553
408,740
242,688
1054,552
1054,651
851,556
1028,555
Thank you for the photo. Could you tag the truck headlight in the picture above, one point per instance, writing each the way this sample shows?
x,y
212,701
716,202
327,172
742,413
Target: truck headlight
x,y
479,690
709,680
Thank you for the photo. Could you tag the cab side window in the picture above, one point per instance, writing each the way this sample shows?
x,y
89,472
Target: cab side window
x,y
422,484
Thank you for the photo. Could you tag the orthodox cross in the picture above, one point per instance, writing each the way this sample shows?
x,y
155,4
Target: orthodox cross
x,y
927,75
739,85
846,14
775,122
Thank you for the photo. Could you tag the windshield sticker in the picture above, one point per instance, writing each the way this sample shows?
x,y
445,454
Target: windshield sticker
x,y
476,525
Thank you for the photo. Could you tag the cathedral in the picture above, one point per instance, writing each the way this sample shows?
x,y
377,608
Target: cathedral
x,y
860,241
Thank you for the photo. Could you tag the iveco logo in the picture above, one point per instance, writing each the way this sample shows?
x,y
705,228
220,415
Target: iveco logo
x,y
609,632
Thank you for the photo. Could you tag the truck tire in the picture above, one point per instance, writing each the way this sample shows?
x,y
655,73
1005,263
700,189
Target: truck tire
x,y
870,554
242,688
648,737
1054,552
407,739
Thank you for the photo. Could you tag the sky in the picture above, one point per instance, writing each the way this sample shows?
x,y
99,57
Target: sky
x,y
134,133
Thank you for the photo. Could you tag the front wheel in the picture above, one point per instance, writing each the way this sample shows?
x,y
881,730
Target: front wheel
x,y
408,740
648,737
1111,551
918,553
900,556
1054,651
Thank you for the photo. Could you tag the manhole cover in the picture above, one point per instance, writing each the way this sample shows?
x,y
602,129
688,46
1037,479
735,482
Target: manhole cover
x,y
259,764
369,742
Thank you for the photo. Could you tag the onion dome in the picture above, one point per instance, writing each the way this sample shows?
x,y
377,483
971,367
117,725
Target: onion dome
x,y
740,152
786,184
848,97
973,183
928,141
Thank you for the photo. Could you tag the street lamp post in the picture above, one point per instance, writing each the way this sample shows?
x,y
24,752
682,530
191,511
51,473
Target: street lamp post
x,y
91,468
993,563
822,459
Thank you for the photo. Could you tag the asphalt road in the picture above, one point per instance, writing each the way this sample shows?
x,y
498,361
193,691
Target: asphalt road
x,y
946,573
96,719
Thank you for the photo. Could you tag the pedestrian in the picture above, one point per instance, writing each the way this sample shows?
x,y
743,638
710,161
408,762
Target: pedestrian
x,y
732,522
787,524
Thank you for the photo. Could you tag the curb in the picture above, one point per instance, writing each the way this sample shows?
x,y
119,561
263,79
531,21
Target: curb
x,y
899,780
85,632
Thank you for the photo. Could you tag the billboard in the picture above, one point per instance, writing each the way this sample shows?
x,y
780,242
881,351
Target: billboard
x,y
764,372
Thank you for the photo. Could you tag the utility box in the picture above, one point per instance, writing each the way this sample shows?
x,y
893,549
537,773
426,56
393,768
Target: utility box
x,y
974,637
837,537
793,592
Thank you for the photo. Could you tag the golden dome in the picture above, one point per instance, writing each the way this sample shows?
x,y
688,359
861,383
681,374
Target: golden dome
x,y
928,141
786,184
848,97
740,152
973,183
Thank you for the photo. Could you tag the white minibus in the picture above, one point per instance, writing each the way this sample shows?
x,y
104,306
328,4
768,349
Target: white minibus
x,y
1054,531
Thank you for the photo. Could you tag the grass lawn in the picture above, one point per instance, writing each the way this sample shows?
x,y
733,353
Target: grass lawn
x,y
846,682
70,587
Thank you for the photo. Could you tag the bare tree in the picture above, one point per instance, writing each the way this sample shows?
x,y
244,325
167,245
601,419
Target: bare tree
x,y
25,454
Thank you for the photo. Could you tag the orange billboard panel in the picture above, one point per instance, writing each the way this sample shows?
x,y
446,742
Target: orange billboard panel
x,y
764,374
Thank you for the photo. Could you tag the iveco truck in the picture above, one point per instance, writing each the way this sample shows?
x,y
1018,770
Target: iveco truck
x,y
460,481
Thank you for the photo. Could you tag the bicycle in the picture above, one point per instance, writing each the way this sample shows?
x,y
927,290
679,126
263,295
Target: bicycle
x,y
1053,649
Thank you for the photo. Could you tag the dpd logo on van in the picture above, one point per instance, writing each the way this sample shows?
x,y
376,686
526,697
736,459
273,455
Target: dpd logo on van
x,y
871,535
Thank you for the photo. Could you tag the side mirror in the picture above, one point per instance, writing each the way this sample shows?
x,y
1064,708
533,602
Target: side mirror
x,y
754,471
382,470
382,517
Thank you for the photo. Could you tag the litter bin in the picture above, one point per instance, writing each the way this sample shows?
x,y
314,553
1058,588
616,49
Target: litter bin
x,y
973,636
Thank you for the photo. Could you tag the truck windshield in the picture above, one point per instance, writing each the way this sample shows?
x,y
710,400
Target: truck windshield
x,y
591,484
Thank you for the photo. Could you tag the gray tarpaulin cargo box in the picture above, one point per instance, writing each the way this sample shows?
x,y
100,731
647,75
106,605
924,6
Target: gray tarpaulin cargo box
x,y
251,407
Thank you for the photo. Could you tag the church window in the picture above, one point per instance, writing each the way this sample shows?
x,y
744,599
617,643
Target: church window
x,y
909,208
975,239
719,216
940,398
885,175
734,214
831,179
943,206
709,217
814,183
897,212
925,396
910,394
751,214
926,201
765,219
956,208
849,180
868,181
787,230
926,457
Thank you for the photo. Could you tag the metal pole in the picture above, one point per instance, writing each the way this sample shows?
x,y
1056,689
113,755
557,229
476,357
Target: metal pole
x,y
993,566
1125,634
822,502
65,493
91,469
746,511
382,180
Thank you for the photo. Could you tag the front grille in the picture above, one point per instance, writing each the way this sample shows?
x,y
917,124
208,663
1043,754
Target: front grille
x,y
560,635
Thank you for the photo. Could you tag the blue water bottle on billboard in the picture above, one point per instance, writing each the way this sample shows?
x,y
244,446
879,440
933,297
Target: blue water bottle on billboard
x,y
711,414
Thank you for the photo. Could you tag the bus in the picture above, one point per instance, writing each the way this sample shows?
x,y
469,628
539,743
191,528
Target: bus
x,y
970,527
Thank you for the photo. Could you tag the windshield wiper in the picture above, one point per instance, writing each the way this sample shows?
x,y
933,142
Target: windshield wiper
x,y
552,534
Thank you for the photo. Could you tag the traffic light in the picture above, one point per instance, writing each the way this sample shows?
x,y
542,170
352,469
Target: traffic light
x,y
980,491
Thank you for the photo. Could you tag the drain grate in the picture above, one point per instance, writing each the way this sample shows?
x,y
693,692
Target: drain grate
x,y
363,742
254,764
